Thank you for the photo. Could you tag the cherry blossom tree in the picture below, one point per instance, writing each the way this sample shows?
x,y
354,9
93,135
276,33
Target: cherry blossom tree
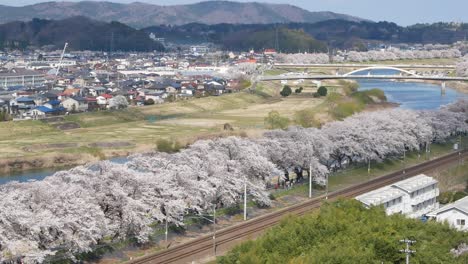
x,y
118,102
74,210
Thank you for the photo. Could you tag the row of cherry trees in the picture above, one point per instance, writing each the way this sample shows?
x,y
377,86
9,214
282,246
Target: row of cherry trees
x,y
398,54
300,58
462,67
75,210
392,54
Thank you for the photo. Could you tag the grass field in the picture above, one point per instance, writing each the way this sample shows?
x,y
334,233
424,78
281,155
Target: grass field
x,y
112,133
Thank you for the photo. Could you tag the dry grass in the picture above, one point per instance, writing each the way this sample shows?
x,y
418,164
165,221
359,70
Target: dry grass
x,y
184,121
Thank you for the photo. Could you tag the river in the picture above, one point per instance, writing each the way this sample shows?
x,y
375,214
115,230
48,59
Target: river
x,y
409,95
37,175
412,95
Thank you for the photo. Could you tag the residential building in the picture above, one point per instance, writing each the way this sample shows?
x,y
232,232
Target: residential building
x,y
455,214
413,197
21,77
75,104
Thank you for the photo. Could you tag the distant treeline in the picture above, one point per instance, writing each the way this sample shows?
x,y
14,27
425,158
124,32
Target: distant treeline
x,y
80,32
334,33
85,34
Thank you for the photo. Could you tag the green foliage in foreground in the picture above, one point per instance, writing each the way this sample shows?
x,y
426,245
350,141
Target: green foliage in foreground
x,y
346,232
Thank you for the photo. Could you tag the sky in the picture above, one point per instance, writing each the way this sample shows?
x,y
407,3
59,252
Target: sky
x,y
402,12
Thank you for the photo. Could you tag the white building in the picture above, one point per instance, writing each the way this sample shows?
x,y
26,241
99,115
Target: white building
x,y
455,214
413,197
36,65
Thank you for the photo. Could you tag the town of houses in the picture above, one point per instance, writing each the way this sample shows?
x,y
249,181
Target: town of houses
x,y
39,84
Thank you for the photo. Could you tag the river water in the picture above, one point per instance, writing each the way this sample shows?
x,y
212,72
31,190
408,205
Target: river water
x,y
409,95
37,175
414,95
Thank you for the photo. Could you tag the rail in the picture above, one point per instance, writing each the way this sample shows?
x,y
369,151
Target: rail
x,y
244,230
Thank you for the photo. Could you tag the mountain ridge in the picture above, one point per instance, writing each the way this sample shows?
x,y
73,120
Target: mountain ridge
x,y
139,15
80,32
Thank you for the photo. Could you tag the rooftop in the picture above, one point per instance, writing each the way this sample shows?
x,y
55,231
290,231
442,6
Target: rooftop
x,y
380,196
415,183
461,205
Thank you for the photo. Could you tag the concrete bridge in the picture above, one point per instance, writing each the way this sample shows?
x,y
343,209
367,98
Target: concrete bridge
x,y
357,66
352,75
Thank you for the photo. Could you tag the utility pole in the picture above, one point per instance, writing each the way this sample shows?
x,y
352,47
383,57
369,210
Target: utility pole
x,y
368,166
245,199
404,160
214,229
310,180
166,231
326,189
407,251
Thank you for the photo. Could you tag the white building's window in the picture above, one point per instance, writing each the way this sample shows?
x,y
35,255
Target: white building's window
x,y
461,222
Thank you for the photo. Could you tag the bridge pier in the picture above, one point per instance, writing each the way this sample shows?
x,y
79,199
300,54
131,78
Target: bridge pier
x,y
443,88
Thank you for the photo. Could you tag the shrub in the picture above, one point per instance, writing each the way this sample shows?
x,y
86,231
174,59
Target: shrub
x,y
349,87
445,197
287,91
298,90
306,118
168,146
275,121
149,102
322,91
459,195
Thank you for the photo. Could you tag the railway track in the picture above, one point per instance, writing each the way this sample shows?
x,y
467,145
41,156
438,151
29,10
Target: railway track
x,y
204,245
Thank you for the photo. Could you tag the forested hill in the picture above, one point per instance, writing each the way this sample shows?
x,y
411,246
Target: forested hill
x,y
143,14
80,32
86,34
337,33
287,40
